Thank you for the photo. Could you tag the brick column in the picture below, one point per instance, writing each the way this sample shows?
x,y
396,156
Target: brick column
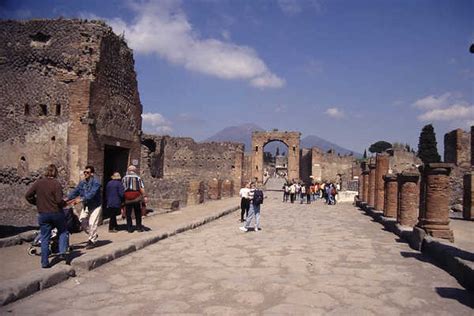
x,y
408,198
434,215
468,196
365,194
381,169
371,197
390,196
361,182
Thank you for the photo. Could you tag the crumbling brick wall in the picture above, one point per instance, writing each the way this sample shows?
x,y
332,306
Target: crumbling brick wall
x,y
174,161
329,166
67,89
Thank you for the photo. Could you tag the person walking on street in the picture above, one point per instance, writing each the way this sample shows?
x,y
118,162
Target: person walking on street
x,y
256,199
47,194
134,196
244,201
114,197
88,193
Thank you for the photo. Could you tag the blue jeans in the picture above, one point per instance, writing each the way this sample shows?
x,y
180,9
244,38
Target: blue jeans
x,y
253,211
47,221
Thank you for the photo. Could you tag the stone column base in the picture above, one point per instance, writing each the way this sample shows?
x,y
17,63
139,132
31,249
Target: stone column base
x,y
438,231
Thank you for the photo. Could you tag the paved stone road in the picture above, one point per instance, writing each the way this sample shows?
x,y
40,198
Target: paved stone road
x,y
307,260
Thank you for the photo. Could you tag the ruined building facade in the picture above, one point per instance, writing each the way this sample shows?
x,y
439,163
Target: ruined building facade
x,y
68,96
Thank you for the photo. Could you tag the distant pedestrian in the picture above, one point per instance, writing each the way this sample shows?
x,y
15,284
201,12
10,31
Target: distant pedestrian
x,y
286,192
256,199
244,201
114,198
134,197
292,192
88,192
47,194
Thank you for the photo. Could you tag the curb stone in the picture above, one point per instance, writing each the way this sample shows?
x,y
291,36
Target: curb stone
x,y
448,257
37,280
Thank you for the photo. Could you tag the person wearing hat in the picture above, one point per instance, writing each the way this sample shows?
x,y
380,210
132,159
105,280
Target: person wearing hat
x,y
114,197
134,196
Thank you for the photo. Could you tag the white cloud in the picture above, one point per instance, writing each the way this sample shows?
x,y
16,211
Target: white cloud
x,y
294,7
334,113
448,107
281,109
162,28
451,113
156,123
433,102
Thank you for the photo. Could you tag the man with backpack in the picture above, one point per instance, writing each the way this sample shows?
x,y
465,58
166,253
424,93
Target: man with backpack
x,y
256,199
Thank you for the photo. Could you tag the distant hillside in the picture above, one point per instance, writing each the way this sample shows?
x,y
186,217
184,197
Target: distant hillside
x,y
315,141
237,134
243,134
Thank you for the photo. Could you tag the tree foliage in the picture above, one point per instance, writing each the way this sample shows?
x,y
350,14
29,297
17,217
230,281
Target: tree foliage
x,y
427,145
365,154
380,146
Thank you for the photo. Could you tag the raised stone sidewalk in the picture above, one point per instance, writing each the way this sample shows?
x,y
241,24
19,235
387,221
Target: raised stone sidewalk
x,y
456,258
21,275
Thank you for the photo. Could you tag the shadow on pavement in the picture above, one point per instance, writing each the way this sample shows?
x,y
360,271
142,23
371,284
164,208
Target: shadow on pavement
x,y
7,230
418,256
464,297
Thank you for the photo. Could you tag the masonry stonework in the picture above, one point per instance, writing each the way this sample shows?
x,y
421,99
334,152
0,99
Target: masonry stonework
x,y
68,90
371,191
468,197
408,197
381,169
391,196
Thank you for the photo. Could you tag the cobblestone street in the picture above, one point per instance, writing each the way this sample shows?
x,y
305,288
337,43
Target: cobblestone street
x,y
307,260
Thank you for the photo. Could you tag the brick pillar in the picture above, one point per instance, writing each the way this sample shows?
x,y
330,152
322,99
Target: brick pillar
x,y
381,169
434,215
408,198
468,196
390,196
371,197
365,194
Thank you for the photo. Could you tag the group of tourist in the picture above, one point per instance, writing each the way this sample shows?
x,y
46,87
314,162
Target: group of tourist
x,y
326,191
125,195
251,199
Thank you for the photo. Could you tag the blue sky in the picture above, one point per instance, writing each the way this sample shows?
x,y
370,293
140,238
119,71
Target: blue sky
x,y
352,72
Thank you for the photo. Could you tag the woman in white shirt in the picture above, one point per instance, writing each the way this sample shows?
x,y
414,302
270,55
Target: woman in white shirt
x,y
245,201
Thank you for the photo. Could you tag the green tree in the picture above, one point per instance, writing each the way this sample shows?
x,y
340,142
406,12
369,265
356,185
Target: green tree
x,y
277,151
379,146
427,145
365,154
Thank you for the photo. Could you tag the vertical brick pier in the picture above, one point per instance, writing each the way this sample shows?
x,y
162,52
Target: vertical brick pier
x,y
365,194
408,194
390,196
381,169
434,215
371,197
468,196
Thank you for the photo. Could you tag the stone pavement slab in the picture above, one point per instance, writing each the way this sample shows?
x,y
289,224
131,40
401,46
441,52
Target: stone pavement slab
x,y
307,260
21,275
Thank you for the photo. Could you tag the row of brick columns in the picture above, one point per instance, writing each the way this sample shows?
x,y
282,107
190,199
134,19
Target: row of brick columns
x,y
416,197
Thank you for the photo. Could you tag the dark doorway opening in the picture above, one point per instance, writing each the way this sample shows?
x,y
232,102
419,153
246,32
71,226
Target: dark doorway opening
x,y
115,160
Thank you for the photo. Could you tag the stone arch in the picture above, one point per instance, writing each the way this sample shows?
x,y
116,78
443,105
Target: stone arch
x,y
290,139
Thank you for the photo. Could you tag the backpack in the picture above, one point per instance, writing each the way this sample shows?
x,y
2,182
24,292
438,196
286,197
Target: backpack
x,y
258,197
333,191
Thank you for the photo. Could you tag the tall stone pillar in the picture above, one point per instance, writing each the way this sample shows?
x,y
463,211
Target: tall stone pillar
x,y
468,196
434,215
381,169
390,196
371,198
365,195
361,182
408,198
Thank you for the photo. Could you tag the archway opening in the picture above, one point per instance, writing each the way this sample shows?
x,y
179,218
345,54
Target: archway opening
x,y
275,160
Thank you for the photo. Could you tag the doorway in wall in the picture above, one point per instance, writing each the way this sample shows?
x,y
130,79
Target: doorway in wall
x,y
115,160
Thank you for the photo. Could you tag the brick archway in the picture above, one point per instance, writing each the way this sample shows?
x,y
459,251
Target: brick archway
x,y
290,139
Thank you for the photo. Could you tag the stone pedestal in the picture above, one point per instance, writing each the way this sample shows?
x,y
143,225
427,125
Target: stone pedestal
x,y
365,194
371,197
390,195
408,198
468,196
381,169
434,213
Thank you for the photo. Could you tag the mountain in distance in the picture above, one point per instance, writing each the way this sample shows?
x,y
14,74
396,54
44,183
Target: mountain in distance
x,y
243,134
237,134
